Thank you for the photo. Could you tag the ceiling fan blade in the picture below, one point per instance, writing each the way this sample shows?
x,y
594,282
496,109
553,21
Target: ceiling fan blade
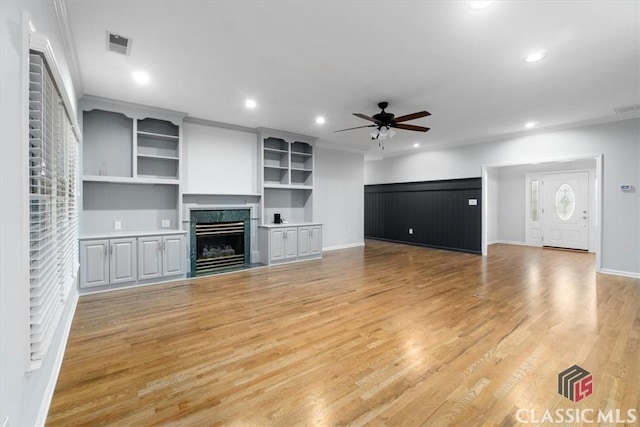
x,y
409,127
362,116
357,127
412,116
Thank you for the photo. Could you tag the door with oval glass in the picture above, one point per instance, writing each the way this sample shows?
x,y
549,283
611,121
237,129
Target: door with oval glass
x,y
565,216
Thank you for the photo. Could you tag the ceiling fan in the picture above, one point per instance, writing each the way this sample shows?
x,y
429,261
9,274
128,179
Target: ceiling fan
x,y
384,122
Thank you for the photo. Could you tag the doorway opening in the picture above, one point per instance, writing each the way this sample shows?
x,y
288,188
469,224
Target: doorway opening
x,y
551,203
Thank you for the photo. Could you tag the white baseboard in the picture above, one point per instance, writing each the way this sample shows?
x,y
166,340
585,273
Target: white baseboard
x,y
149,282
350,245
507,242
57,365
620,273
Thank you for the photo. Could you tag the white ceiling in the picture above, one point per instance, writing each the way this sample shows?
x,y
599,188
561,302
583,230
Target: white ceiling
x,y
301,59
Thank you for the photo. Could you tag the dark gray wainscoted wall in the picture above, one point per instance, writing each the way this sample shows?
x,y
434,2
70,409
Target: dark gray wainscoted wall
x,y
439,213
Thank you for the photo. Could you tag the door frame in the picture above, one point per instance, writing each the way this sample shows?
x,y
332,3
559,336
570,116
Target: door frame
x,y
593,220
488,190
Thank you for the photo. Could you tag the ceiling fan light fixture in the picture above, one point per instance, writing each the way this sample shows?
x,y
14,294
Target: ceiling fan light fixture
x,y
385,124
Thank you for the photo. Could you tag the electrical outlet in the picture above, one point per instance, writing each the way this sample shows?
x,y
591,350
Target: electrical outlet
x,y
117,225
166,223
411,231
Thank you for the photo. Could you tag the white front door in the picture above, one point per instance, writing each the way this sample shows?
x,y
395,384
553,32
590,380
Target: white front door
x,y
565,214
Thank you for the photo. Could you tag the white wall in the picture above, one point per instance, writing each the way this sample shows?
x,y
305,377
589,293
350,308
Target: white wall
x,y
618,142
23,397
338,197
492,205
222,161
219,161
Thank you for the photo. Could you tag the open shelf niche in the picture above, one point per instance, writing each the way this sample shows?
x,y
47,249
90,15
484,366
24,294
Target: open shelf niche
x,y
287,164
131,167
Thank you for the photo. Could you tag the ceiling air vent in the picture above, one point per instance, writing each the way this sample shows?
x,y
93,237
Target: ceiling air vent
x,y
118,44
627,109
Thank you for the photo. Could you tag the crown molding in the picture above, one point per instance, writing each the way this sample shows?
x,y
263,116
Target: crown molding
x,y
337,147
521,133
286,135
68,45
130,109
215,124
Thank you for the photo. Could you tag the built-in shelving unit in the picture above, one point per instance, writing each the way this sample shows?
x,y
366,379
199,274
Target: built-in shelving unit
x,y
287,164
131,168
157,149
287,176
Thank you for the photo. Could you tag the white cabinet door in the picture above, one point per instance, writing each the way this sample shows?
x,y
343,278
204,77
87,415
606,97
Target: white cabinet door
x,y
149,257
304,234
276,244
122,254
315,240
94,263
172,255
290,242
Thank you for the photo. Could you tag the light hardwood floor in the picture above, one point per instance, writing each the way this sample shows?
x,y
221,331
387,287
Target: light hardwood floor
x,y
388,335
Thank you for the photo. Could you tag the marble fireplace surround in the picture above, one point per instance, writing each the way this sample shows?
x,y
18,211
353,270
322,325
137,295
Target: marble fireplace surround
x,y
213,202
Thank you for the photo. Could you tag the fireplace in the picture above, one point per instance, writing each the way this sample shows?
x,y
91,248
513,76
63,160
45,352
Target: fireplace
x,y
220,240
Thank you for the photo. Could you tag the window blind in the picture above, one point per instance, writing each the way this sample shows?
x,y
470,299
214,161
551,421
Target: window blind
x,y
53,209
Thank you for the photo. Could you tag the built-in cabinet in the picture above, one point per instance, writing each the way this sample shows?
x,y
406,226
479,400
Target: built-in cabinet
x,y
131,193
287,180
160,256
309,240
130,260
282,243
107,261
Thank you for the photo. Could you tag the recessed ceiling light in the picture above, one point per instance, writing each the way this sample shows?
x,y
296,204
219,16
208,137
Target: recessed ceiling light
x,y
250,103
416,145
477,5
535,56
140,77
530,125
320,120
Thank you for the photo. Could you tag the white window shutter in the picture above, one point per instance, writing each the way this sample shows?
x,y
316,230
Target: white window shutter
x,y
53,210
